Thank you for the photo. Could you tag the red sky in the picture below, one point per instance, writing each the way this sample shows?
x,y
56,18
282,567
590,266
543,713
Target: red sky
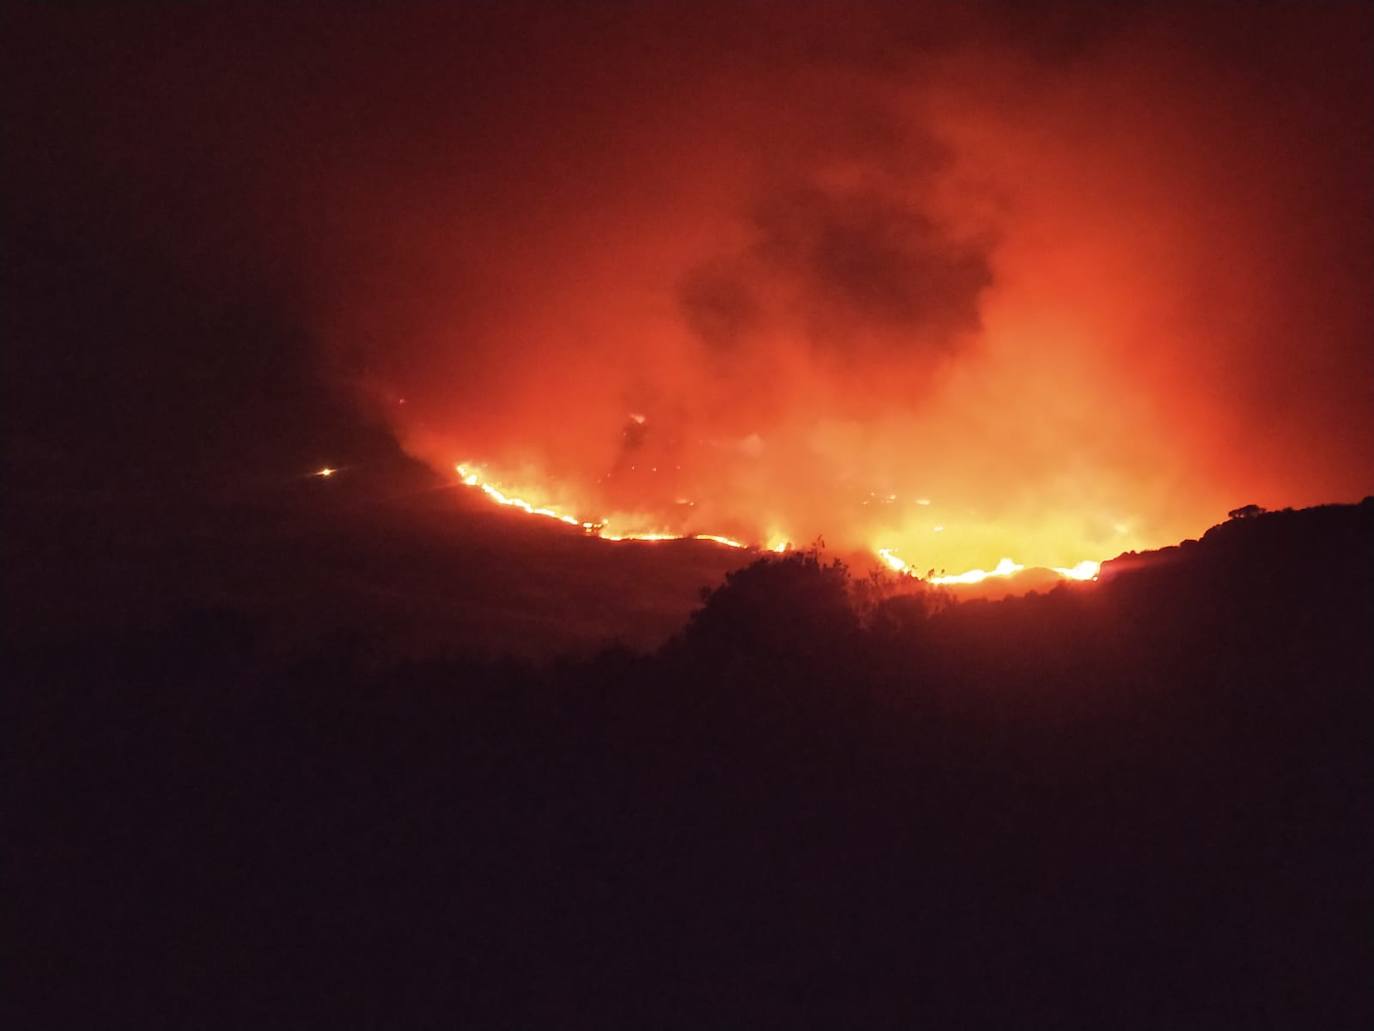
x,y
1083,278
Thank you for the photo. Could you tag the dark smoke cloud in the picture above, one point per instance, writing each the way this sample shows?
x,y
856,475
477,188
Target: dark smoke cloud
x,y
857,271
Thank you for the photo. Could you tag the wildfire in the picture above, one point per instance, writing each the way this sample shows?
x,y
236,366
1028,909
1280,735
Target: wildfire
x,y
973,576
1085,570
471,479
599,528
729,542
894,562
1006,567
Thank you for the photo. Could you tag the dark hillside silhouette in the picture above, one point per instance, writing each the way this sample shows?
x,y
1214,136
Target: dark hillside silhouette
x,y
829,801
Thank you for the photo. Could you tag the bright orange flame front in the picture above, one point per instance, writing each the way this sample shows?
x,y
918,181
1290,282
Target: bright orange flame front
x,y
598,528
1085,570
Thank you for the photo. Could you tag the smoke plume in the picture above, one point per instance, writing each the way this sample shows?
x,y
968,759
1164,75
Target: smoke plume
x,y
961,281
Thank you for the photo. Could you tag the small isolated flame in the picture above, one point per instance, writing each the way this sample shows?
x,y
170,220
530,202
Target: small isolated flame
x,y
1085,570
325,473
894,562
1006,567
729,542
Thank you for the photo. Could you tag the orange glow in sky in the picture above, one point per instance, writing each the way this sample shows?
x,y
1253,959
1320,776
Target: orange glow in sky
x,y
962,302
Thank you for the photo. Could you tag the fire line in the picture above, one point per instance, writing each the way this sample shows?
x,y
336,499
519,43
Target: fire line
x,y
1085,570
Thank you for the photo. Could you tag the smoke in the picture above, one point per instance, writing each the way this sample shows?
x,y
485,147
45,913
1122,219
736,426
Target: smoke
x,y
964,282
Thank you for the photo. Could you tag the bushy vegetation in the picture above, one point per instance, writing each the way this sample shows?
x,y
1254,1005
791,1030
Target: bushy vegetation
x,y
827,802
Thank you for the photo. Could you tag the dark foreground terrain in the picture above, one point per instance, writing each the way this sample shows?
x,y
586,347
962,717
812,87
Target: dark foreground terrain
x,y
828,802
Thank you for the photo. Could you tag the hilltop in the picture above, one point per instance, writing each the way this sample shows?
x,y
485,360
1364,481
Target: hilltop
x,y
820,802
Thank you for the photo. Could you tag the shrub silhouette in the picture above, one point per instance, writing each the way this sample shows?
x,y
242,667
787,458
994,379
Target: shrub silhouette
x,y
796,607
819,805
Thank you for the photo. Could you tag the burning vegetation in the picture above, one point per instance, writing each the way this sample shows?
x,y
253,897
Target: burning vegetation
x,y
626,528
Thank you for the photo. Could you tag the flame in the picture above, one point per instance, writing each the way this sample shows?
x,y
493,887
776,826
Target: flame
x,y
325,473
894,562
596,528
1006,567
729,542
973,576
1085,570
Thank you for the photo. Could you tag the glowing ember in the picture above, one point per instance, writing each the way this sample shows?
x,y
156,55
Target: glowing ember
x,y
326,472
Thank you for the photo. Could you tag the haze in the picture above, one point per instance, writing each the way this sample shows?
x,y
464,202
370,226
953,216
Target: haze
x,y
953,281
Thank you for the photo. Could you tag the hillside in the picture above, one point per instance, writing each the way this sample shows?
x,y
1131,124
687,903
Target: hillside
x,y
1137,803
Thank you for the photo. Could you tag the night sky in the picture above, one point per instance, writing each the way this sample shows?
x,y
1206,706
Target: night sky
x,y
962,281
